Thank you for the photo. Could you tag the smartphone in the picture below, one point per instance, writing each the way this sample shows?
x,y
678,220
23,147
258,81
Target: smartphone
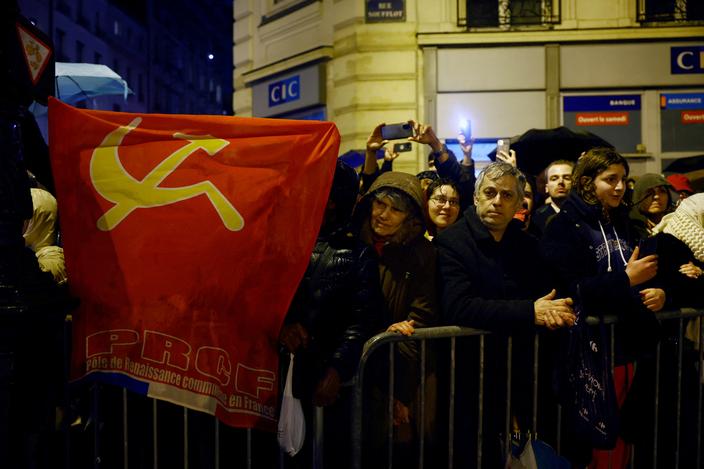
x,y
397,131
503,145
401,147
466,130
648,246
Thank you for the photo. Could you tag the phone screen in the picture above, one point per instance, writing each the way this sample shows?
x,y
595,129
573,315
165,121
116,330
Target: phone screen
x,y
401,147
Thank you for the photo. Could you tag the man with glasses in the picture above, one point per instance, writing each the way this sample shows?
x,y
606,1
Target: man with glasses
x,y
490,278
558,176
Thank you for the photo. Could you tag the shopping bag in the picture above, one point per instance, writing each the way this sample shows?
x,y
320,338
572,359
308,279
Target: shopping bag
x,y
292,423
527,452
594,411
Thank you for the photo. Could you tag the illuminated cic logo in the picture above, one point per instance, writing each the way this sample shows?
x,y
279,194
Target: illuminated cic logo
x,y
115,184
285,91
687,59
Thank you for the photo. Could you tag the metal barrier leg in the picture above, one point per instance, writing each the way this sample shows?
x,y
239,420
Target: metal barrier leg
x,y
318,438
536,370
421,414
155,436
509,376
451,417
125,444
95,391
249,448
656,404
216,445
480,423
700,410
678,418
185,438
390,409
559,429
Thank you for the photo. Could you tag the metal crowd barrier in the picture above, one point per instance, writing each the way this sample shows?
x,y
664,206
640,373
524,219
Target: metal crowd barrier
x,y
386,343
119,429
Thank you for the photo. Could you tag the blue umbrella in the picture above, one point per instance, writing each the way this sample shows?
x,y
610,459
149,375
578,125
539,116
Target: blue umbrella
x,y
79,81
355,158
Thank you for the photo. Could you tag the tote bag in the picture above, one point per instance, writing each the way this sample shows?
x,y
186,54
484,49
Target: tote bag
x,y
292,423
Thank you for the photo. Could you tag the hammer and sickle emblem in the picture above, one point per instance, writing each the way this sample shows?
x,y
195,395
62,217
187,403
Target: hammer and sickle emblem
x,y
116,185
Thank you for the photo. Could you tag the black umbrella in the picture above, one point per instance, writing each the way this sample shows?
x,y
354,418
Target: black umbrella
x,y
537,148
690,166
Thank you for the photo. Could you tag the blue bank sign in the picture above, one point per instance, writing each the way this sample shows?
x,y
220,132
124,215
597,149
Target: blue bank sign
x,y
688,59
285,91
625,102
302,88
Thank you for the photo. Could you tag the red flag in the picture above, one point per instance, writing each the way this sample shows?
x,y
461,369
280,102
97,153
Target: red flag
x,y
185,238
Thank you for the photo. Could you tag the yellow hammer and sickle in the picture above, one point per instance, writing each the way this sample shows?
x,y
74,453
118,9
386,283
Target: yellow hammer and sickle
x,y
115,184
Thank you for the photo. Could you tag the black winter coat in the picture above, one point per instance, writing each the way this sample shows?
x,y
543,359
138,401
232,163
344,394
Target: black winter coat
x,y
570,254
492,285
487,284
339,302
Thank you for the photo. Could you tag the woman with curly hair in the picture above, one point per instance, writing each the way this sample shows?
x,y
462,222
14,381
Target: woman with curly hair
x,y
591,252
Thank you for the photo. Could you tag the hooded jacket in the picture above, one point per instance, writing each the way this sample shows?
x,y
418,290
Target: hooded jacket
x,y
641,225
406,272
407,260
586,256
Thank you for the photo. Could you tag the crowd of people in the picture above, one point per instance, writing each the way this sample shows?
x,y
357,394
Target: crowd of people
x,y
489,252
492,251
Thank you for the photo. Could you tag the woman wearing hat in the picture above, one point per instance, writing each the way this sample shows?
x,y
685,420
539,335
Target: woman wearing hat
x,y
681,184
391,220
651,202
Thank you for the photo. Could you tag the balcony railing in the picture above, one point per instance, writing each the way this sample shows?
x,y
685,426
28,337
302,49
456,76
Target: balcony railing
x,y
669,11
507,13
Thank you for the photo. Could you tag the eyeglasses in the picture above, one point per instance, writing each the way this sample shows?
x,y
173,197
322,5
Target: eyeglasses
x,y
440,201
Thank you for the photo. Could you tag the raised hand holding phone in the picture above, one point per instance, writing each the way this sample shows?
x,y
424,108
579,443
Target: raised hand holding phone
x,y
397,131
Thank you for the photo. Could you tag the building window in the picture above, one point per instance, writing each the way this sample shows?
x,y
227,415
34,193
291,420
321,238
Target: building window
x,y
668,11
79,51
140,88
279,8
60,39
98,25
503,13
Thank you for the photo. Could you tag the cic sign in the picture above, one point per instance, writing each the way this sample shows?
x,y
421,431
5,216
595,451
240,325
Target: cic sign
x,y
688,59
285,91
299,89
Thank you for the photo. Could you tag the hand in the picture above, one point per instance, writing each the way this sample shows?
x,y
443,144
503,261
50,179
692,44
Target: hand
x,y
691,270
653,298
465,146
641,270
553,313
390,155
293,337
403,327
328,389
425,134
374,142
509,158
402,414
